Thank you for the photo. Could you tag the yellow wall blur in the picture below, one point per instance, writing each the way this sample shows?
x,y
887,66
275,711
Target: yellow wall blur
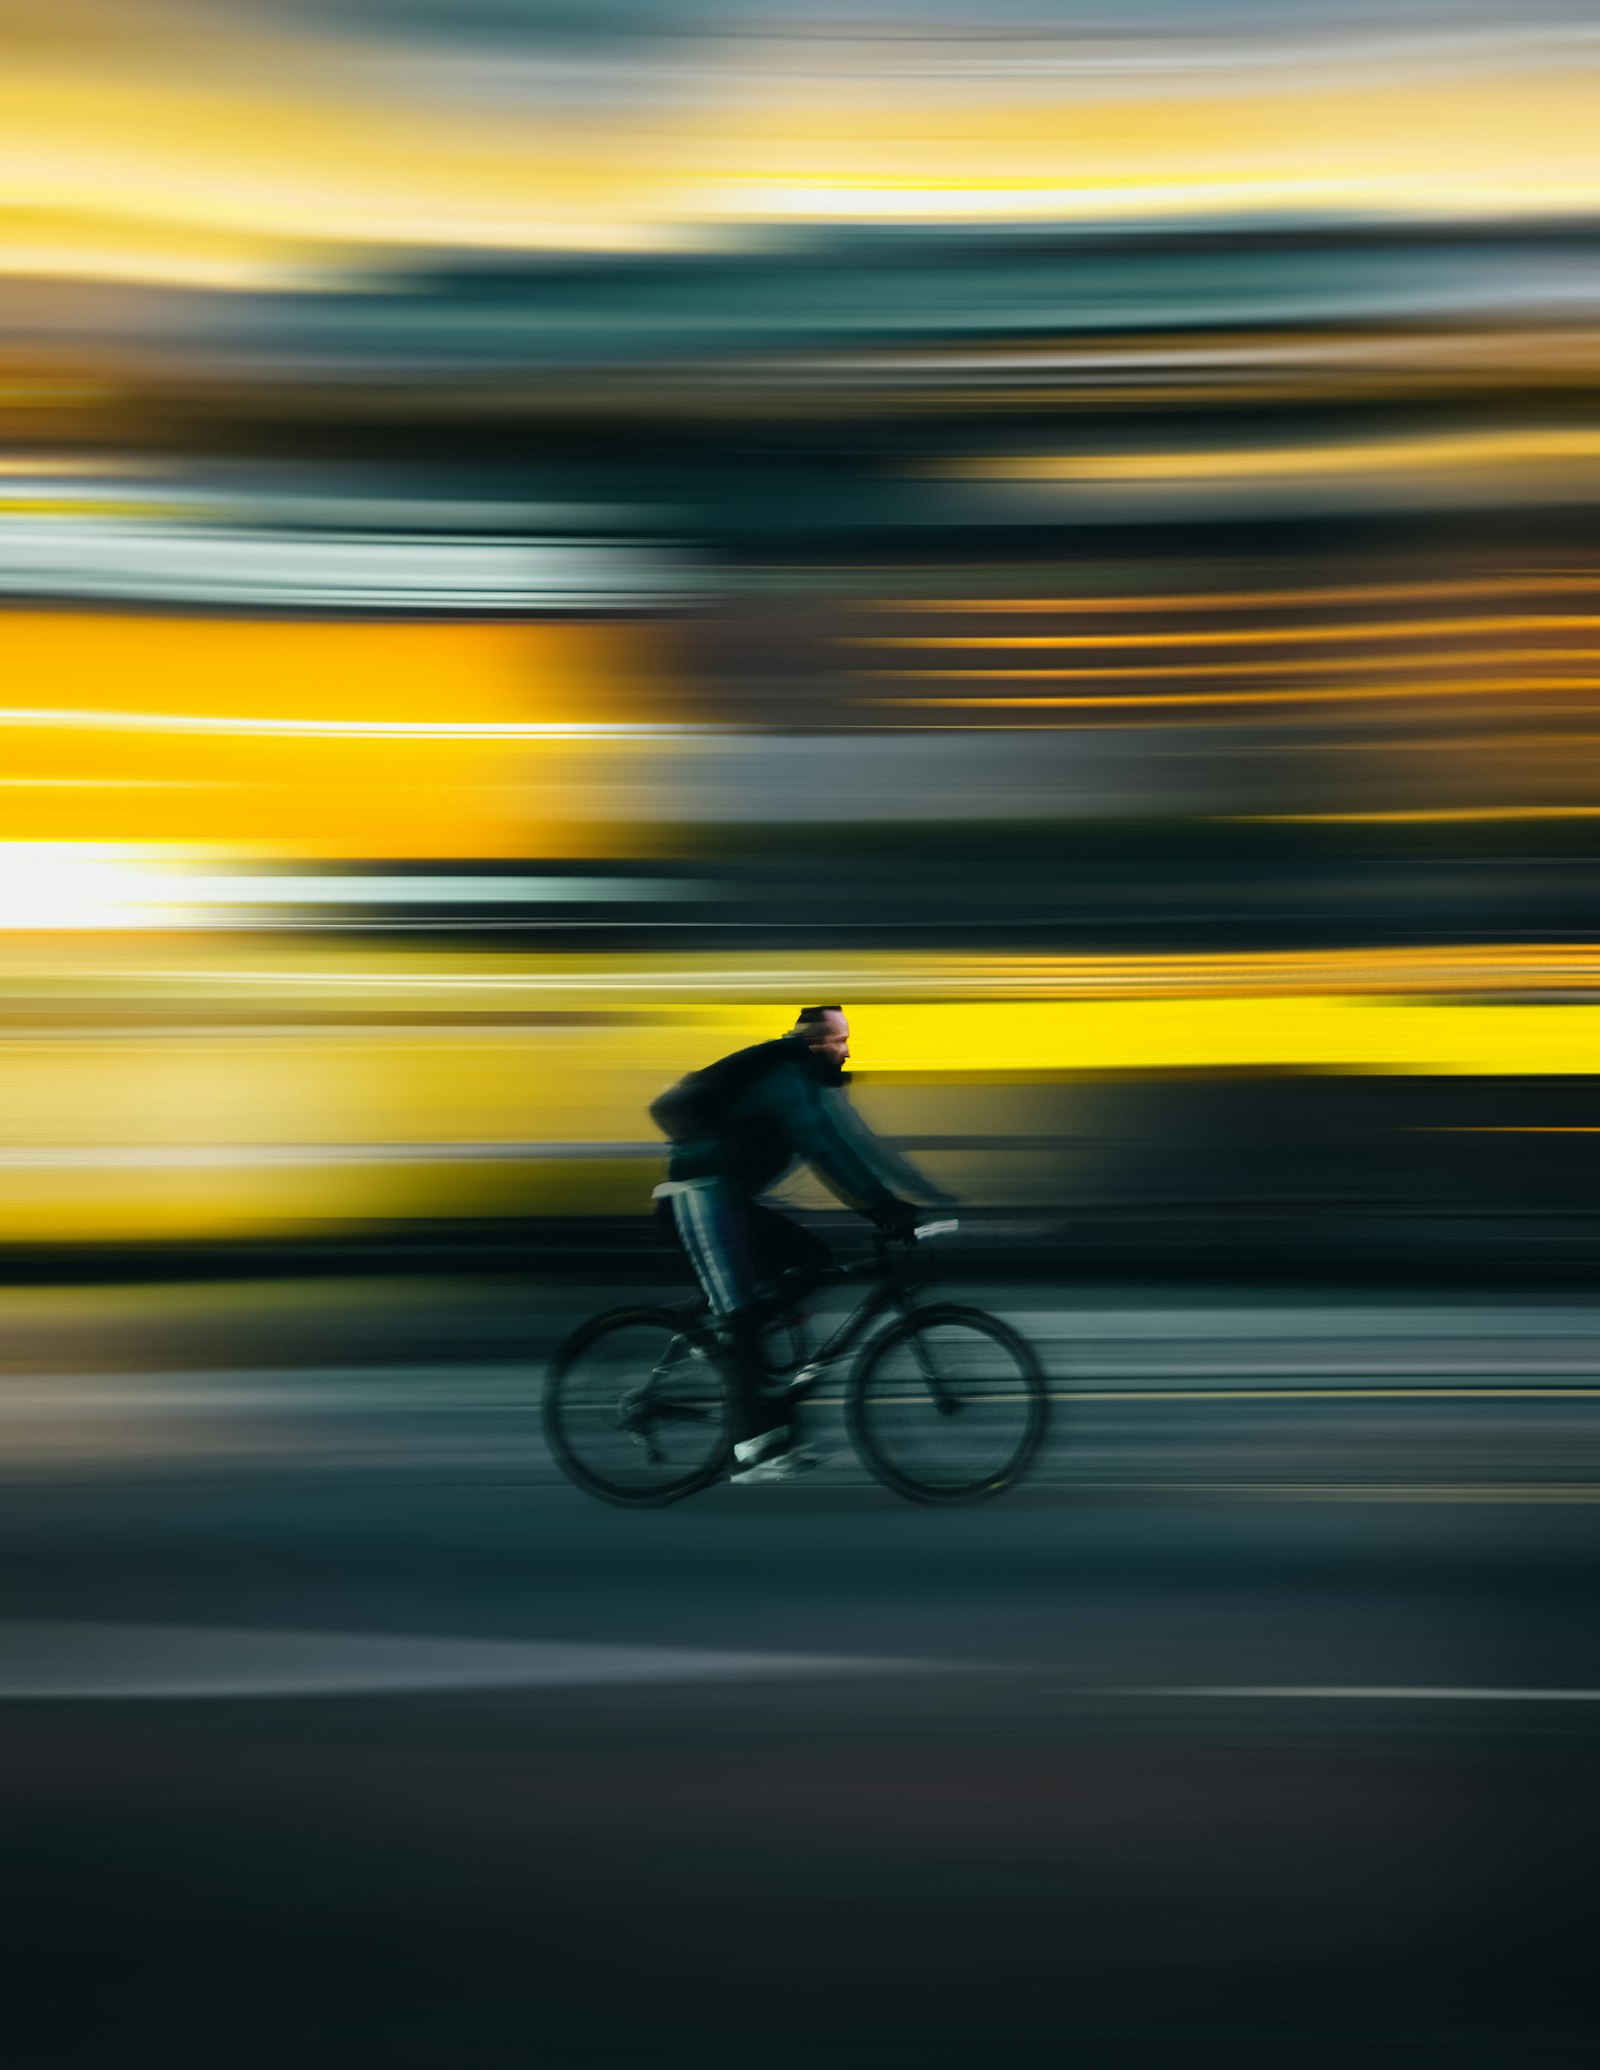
x,y
213,1088
116,731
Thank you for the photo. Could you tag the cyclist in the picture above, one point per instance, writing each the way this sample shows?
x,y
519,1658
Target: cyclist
x,y
736,1127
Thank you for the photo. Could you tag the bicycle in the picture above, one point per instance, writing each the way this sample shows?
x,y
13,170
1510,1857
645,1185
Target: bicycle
x,y
946,1404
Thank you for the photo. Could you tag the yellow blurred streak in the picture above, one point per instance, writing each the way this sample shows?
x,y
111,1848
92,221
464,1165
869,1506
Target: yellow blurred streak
x,y
92,243
1442,814
319,1086
685,994
1245,636
1444,146
274,792
53,465
171,1129
1221,389
227,155
1142,701
120,507
185,1088
1313,1033
192,1205
1220,600
256,177
1497,743
1280,665
1355,456
114,661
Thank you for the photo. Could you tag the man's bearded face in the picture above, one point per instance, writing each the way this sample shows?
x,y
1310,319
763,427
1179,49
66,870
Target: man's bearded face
x,y
832,1051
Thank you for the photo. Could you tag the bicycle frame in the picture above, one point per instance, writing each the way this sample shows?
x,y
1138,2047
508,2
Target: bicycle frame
x,y
896,1284
890,1289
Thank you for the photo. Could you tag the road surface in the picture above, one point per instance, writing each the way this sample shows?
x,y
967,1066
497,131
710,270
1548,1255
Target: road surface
x,y
1260,1727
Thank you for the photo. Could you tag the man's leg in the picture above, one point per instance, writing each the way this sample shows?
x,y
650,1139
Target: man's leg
x,y
786,1251
714,1232
789,1260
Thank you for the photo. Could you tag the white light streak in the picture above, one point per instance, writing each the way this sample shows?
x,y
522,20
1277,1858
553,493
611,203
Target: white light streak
x,y
82,884
57,1663
265,727
376,890
64,556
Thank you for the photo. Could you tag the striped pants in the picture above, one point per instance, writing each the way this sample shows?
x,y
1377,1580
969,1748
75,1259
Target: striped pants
x,y
738,1251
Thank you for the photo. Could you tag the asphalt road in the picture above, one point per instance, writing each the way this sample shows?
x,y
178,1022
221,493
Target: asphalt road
x,y
1260,1727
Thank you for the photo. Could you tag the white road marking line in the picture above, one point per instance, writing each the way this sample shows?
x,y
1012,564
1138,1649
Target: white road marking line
x,y
1374,1693
52,1663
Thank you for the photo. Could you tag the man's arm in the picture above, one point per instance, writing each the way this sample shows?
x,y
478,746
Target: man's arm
x,y
813,1128
892,1167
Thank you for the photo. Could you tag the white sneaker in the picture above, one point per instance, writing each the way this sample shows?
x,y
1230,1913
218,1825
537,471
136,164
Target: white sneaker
x,y
773,1456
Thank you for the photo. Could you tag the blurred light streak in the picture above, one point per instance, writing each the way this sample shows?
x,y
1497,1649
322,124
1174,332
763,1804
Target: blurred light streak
x,y
251,1156
57,466
1245,636
390,889
88,887
1144,701
1219,600
356,738
242,156
289,1087
1418,816
1479,352
123,510
1355,456
329,729
85,885
245,565
382,669
204,1130
649,984
1280,665
1501,743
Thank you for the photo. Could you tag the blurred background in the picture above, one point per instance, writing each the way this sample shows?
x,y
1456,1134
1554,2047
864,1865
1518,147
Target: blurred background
x,y
537,536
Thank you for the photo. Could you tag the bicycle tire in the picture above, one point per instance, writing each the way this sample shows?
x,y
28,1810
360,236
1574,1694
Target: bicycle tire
x,y
894,1433
603,1458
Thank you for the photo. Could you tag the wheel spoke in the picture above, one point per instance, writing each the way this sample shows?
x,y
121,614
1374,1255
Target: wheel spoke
x,y
948,1409
632,1414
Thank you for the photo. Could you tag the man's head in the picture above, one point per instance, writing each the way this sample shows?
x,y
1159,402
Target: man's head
x,y
826,1033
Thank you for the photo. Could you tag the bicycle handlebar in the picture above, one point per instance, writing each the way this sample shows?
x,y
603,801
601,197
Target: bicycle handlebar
x,y
885,1241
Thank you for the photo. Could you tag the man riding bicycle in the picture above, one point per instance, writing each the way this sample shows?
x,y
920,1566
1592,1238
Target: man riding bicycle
x,y
736,1128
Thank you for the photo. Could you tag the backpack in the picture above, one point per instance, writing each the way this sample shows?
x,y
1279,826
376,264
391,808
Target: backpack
x,y
695,1106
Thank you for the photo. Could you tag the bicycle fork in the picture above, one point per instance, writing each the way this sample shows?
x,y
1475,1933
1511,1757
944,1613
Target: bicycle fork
x,y
947,1403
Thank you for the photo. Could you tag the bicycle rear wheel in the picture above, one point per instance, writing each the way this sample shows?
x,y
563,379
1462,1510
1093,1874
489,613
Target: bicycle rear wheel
x,y
635,1411
948,1406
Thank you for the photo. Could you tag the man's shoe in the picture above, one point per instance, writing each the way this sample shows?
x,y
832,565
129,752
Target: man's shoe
x,y
783,1466
806,1377
773,1456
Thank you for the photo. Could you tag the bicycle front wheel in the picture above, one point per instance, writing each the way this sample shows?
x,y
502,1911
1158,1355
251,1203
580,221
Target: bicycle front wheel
x,y
636,1410
948,1406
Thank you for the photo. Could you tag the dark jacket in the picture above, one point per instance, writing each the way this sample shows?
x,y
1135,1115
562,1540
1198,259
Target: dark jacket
x,y
786,1108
